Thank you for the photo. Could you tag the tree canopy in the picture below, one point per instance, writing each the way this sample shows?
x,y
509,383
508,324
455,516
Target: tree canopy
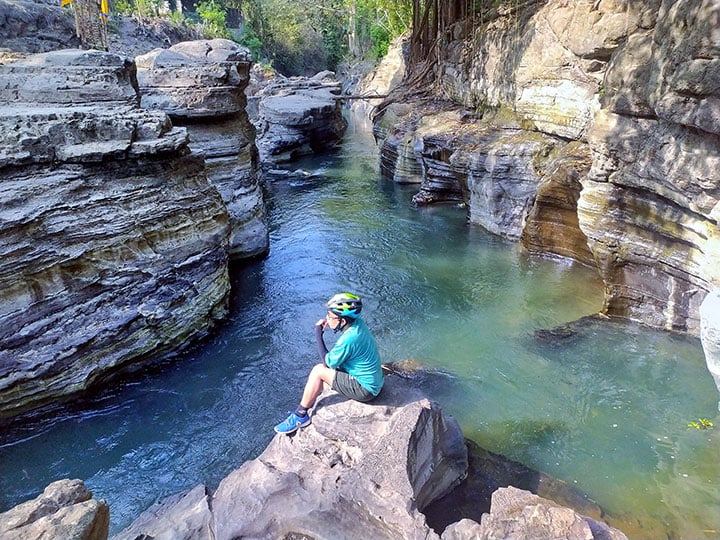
x,y
302,38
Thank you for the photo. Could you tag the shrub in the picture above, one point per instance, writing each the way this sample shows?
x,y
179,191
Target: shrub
x,y
212,19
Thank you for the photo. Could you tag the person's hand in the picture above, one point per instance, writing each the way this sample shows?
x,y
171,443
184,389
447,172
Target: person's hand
x,y
321,322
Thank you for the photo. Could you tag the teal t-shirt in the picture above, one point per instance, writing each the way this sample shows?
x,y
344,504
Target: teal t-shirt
x,y
355,352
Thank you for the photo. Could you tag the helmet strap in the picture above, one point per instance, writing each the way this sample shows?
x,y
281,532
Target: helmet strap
x,y
342,326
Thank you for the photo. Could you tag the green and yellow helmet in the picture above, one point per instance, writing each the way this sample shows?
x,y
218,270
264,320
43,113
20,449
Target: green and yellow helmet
x,y
345,305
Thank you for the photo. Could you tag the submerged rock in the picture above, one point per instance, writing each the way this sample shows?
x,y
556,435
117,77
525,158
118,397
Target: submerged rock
x,y
515,513
201,86
113,244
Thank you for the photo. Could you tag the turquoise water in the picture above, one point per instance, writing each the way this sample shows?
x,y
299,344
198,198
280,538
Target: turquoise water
x,y
605,409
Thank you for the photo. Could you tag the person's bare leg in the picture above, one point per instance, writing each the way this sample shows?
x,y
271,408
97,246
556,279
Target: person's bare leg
x,y
319,375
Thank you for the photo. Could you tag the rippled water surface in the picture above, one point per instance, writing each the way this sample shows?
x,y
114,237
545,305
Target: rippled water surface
x,y
604,408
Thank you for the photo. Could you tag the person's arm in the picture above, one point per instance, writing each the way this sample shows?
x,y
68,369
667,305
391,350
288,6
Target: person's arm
x,y
322,349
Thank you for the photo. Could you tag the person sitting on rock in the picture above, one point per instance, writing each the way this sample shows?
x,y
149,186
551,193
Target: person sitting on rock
x,y
352,368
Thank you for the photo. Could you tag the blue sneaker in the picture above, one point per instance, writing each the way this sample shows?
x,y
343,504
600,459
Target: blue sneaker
x,y
292,423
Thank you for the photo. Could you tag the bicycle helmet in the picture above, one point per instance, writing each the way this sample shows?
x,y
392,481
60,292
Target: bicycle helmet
x,y
345,305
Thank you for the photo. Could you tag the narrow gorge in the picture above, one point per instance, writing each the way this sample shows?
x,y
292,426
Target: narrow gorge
x,y
136,194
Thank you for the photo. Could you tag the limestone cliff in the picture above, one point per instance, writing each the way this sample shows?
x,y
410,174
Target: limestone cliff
x,y
584,129
113,244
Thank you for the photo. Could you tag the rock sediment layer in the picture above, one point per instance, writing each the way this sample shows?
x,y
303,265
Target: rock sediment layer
x,y
201,86
296,117
114,244
614,161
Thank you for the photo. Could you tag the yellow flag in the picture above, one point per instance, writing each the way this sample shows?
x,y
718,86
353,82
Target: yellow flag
x,y
104,9
65,2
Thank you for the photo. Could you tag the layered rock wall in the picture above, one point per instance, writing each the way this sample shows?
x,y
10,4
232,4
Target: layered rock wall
x,y
201,86
626,100
113,244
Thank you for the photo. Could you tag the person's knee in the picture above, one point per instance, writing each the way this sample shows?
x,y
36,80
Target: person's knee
x,y
316,370
322,372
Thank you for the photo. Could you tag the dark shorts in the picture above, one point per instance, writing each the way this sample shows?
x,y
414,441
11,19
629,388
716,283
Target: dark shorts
x,y
348,386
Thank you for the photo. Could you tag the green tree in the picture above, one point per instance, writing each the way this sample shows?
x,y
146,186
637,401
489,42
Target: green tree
x,y
375,23
302,38
212,19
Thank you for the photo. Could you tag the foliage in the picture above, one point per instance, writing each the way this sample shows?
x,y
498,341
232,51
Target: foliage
x,y
305,37
177,19
250,39
212,19
378,22
701,423
144,9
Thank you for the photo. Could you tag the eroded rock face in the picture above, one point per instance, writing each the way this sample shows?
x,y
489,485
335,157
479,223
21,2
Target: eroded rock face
x,y
395,132
552,224
65,510
201,86
381,80
358,467
650,205
34,27
114,245
298,116
627,179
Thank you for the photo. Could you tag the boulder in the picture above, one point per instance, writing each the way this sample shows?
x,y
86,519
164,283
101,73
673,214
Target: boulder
x,y
35,26
113,244
516,513
298,116
373,470
201,86
358,467
184,516
65,509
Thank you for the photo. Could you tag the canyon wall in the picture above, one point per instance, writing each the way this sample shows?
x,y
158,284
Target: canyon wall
x,y
114,244
583,129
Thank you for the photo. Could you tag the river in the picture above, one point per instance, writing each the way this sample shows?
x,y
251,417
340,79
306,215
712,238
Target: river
x,y
606,408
